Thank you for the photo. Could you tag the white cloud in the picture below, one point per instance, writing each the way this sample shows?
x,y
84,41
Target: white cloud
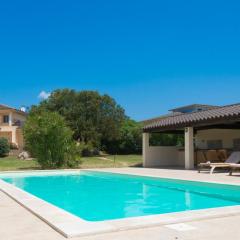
x,y
44,95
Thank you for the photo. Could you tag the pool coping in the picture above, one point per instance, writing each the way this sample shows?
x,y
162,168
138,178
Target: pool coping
x,y
70,225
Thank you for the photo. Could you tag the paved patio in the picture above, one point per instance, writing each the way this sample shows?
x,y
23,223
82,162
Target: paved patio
x,y
18,223
191,175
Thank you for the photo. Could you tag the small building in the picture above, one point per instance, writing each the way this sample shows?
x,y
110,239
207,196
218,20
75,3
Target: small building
x,y
11,123
205,129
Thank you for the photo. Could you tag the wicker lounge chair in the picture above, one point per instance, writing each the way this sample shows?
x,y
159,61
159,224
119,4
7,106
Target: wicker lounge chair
x,y
234,158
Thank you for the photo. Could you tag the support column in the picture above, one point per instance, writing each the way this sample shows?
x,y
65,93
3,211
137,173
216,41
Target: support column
x,y
14,136
189,148
10,119
145,147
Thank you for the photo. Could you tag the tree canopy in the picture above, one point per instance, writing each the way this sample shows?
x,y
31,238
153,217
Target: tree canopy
x,y
99,123
164,139
93,118
129,141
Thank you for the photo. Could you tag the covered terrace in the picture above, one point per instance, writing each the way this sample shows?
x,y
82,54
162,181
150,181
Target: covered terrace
x,y
210,133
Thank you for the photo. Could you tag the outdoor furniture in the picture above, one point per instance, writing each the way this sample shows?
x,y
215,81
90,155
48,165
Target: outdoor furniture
x,y
222,154
200,157
234,158
204,155
212,156
233,167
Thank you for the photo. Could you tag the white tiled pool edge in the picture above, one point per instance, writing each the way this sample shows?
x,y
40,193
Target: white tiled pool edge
x,y
72,226
62,221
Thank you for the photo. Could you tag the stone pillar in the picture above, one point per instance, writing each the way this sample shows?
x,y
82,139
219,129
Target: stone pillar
x,y
189,148
145,148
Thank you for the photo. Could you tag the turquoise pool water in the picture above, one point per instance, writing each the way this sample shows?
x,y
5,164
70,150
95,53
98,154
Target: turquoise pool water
x,y
96,196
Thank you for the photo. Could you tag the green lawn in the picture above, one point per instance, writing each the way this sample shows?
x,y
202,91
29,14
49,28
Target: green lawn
x,y
111,161
12,163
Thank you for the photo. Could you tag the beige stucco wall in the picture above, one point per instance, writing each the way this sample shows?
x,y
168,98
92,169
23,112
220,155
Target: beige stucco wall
x,y
12,130
14,117
7,135
226,135
12,133
159,156
19,138
17,116
2,113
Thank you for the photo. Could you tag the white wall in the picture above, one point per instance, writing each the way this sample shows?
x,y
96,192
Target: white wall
x,y
161,156
226,135
158,156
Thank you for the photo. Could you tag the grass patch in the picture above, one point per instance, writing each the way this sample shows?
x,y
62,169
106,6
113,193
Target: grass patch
x,y
12,163
111,161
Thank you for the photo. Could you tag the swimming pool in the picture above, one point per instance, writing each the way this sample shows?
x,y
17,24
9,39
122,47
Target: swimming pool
x,y
98,196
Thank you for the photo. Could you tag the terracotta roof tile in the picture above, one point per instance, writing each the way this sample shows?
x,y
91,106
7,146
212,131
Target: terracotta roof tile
x,y
230,111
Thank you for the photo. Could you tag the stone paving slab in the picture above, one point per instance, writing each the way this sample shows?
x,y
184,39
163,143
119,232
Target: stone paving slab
x,y
190,175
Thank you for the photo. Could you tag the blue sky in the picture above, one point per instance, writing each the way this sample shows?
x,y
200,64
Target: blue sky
x,y
150,55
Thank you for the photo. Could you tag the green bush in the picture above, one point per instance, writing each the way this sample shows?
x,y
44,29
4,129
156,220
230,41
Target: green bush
x,y
4,147
87,150
129,141
50,140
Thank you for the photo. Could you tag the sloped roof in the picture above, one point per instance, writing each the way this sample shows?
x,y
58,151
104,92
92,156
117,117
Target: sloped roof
x,y
3,107
152,120
229,112
203,106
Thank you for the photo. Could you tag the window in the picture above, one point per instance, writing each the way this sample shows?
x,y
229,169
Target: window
x,y
236,144
5,119
214,144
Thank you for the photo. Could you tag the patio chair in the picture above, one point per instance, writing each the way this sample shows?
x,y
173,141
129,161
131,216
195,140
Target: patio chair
x,y
233,167
212,156
222,154
234,158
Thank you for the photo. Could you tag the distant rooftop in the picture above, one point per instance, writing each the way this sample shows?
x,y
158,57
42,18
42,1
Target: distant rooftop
x,y
193,108
3,107
181,110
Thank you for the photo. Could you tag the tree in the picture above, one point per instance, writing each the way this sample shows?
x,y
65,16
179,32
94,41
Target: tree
x,y
129,141
4,147
164,139
93,118
49,139
130,137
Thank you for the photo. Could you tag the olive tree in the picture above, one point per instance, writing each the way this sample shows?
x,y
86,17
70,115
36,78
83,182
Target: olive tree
x,y
50,140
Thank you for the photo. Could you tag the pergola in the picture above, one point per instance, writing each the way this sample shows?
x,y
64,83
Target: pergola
x,y
189,124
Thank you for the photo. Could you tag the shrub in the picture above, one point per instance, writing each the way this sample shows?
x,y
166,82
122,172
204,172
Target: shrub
x,y
50,140
95,152
4,147
87,150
